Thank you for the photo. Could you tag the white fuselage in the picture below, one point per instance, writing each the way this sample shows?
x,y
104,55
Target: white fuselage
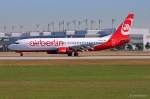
x,y
45,44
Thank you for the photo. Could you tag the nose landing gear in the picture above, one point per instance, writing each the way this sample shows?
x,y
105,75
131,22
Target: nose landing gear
x,y
73,53
21,53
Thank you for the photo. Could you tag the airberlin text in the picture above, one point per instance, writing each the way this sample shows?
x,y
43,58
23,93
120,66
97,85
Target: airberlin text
x,y
46,43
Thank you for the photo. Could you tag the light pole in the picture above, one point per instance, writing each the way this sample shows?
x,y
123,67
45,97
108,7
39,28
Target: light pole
x,y
5,28
113,20
21,27
63,23
68,26
86,23
79,24
74,23
91,23
99,23
53,26
37,27
13,27
59,26
48,27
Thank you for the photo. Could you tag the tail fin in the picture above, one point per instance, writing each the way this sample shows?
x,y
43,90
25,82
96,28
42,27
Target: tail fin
x,y
121,35
123,30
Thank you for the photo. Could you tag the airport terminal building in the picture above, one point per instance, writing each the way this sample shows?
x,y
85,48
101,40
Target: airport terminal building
x,y
139,36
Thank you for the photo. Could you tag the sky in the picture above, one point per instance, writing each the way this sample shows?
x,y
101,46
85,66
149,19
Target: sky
x,y
28,13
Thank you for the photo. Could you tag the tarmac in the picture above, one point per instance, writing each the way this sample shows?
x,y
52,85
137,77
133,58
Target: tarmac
x,y
77,58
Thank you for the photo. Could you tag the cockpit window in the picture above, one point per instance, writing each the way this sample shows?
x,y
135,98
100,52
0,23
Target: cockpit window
x,y
16,42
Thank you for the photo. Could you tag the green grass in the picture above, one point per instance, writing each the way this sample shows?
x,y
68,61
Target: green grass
x,y
75,82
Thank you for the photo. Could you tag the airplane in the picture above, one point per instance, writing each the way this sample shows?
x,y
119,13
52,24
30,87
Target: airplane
x,y
72,46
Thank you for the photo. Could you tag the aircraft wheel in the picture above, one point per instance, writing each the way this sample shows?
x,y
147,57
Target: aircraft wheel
x,y
21,54
76,54
70,54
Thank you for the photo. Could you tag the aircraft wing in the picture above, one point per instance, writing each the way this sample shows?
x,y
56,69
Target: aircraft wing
x,y
84,47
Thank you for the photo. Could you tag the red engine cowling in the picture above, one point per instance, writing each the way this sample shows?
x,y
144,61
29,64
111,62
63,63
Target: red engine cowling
x,y
62,50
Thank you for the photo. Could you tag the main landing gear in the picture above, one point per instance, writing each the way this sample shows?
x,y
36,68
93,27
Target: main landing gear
x,y
73,53
21,53
76,54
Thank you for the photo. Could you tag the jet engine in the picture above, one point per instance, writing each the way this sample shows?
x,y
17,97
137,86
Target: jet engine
x,y
62,50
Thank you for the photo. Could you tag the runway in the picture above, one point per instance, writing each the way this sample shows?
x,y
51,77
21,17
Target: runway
x,y
78,58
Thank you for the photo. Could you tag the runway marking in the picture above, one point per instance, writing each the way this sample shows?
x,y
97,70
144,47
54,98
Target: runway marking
x,y
77,58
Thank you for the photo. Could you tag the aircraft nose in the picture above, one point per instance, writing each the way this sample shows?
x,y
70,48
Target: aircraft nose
x,y
12,47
